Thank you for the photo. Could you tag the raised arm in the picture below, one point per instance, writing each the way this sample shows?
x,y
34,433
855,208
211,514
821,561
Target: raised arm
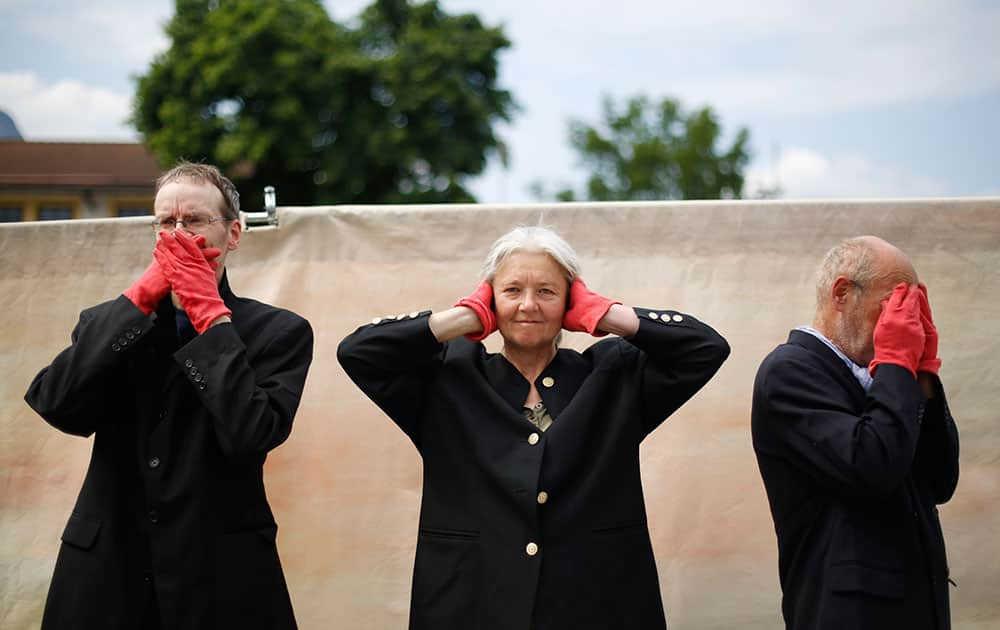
x,y
675,353
75,393
252,400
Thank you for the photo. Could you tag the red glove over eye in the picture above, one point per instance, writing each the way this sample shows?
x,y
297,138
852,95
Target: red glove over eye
x,y
586,309
899,335
152,286
481,301
192,278
929,361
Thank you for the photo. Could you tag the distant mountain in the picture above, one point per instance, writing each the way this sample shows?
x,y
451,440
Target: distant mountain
x,y
8,130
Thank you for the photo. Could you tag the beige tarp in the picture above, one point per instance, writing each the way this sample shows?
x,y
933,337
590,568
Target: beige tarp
x,y
345,487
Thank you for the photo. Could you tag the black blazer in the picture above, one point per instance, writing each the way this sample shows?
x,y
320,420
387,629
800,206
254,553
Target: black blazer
x,y
173,501
523,529
853,481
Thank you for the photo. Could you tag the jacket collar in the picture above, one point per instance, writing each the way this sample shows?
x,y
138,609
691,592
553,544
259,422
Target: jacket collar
x,y
557,384
834,364
228,297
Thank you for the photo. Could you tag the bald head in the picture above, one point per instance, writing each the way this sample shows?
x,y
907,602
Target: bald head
x,y
853,279
864,260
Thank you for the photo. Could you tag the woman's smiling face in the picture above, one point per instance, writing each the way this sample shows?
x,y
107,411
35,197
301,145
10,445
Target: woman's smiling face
x,y
530,291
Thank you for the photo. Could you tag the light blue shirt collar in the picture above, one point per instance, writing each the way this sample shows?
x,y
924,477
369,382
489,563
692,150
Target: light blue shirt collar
x,y
860,373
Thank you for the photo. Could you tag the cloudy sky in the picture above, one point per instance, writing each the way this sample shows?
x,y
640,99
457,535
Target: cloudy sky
x,y
891,98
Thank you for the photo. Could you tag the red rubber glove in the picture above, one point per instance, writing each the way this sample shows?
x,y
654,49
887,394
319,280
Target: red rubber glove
x,y
192,279
929,361
899,336
152,286
481,301
586,309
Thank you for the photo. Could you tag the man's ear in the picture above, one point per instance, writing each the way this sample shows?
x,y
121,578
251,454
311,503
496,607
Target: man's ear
x,y
233,237
840,291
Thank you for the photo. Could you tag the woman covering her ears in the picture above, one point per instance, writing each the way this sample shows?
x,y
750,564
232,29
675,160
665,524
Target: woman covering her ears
x,y
532,515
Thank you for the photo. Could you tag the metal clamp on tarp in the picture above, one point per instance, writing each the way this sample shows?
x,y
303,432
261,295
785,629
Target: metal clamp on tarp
x,y
265,219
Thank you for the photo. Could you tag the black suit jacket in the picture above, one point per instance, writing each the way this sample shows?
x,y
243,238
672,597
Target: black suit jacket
x,y
853,480
173,503
485,466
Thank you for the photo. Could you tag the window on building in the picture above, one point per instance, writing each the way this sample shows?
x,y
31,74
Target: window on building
x,y
134,211
54,213
11,214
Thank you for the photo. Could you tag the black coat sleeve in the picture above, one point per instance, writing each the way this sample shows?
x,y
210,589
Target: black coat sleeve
x,y
802,415
394,362
677,355
252,399
76,391
935,463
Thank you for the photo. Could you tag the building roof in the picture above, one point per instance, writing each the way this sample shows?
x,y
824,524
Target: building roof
x,y
76,164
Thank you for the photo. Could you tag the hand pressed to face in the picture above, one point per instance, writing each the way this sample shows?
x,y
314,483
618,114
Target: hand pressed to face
x,y
929,361
153,286
192,278
586,309
899,334
530,291
481,303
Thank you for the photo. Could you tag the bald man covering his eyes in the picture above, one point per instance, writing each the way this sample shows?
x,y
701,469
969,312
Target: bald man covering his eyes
x,y
856,448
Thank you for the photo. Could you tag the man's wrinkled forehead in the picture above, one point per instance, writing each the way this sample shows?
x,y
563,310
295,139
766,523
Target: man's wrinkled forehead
x,y
188,195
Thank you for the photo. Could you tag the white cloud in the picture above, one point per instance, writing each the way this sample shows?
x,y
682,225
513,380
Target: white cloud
x,y
958,59
64,110
804,173
778,56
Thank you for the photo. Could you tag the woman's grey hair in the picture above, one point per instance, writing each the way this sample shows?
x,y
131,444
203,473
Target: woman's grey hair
x,y
854,259
532,238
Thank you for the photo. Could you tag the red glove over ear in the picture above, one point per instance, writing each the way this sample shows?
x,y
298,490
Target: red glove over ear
x,y
481,301
192,279
586,309
899,335
152,286
929,361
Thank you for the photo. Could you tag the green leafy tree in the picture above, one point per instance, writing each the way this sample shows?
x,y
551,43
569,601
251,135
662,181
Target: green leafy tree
x,y
647,151
400,108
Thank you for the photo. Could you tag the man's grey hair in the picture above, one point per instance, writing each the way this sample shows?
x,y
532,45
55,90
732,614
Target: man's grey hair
x,y
854,259
534,238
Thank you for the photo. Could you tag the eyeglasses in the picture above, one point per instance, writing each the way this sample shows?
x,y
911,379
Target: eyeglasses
x,y
193,223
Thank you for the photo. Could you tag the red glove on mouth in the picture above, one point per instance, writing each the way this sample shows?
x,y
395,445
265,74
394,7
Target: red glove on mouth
x,y
481,302
899,335
586,309
152,286
929,361
192,278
